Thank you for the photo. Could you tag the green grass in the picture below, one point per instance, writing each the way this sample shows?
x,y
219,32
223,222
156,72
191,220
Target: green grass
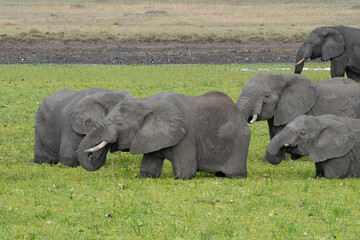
x,y
56,202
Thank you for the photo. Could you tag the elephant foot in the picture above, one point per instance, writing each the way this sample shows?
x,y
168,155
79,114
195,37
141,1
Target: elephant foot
x,y
145,174
69,162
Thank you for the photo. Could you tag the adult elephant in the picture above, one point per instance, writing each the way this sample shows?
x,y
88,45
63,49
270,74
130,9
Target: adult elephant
x,y
338,44
332,143
65,117
280,98
195,133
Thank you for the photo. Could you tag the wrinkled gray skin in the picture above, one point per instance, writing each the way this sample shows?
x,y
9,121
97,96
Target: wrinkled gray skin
x,y
332,143
65,117
338,44
195,133
280,98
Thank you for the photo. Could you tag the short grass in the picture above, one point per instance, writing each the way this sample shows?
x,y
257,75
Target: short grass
x,y
182,20
56,202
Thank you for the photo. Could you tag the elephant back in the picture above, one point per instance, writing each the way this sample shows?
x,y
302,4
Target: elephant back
x,y
216,122
338,96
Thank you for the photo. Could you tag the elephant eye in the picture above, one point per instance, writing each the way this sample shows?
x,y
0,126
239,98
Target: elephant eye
x,y
302,132
267,95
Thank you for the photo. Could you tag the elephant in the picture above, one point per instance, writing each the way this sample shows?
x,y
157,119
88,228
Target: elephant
x,y
65,117
195,133
339,44
331,142
280,98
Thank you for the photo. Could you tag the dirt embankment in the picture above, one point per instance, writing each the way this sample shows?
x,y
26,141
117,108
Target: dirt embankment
x,y
53,52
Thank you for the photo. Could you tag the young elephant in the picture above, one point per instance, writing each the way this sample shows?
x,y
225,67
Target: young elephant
x,y
196,133
65,117
332,143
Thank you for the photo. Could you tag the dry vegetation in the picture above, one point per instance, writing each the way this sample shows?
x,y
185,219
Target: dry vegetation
x,y
185,21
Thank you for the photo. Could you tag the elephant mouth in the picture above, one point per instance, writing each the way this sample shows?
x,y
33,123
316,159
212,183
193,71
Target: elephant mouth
x,y
115,147
292,149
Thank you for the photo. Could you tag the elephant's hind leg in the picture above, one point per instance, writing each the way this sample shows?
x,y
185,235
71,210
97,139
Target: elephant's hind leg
x,y
151,165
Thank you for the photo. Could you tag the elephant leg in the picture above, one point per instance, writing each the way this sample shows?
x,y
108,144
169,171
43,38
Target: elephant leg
x,y
235,166
338,66
41,154
337,168
68,147
353,75
319,170
183,159
151,165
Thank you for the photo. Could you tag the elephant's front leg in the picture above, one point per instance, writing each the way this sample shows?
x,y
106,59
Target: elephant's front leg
x,y
69,144
353,75
338,66
151,165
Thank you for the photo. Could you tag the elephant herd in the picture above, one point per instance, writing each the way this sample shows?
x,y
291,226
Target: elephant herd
x,y
210,133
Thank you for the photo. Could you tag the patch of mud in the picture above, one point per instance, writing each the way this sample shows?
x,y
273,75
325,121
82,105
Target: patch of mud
x,y
54,52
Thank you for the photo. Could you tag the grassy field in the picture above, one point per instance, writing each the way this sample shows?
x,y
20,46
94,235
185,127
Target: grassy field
x,y
56,202
182,20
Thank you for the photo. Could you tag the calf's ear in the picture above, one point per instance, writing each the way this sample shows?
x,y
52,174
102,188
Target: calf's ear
x,y
335,141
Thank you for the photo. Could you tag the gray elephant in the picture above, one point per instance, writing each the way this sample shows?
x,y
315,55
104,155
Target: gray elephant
x,y
195,133
332,143
65,117
338,44
280,98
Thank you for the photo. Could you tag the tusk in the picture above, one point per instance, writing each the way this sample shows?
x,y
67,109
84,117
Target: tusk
x,y
301,61
254,118
97,148
286,145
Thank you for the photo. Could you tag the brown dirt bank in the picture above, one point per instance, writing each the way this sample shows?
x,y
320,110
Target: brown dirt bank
x,y
54,52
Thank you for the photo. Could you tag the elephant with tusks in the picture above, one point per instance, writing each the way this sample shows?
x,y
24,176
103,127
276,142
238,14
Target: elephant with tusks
x,y
65,117
195,133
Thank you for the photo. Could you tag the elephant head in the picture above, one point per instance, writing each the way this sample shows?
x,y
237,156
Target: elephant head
x,y
321,138
279,96
139,126
92,109
324,42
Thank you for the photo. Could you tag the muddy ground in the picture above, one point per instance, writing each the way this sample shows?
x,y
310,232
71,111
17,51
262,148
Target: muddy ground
x,y
54,52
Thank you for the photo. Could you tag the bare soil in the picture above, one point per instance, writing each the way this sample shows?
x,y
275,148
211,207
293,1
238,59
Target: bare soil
x,y
115,53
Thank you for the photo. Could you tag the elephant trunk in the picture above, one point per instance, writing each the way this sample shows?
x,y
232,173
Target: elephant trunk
x,y
98,158
246,105
275,151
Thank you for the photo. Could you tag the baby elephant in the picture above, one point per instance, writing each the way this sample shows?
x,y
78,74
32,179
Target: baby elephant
x,y
196,133
65,117
332,143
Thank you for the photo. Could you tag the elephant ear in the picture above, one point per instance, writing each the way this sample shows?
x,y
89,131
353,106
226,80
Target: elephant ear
x,y
334,141
162,127
333,45
297,98
91,109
